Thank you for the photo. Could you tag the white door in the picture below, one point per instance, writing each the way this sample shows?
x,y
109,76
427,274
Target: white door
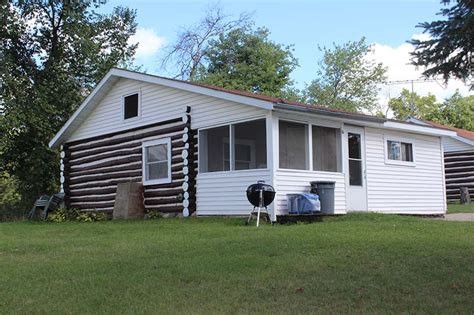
x,y
355,175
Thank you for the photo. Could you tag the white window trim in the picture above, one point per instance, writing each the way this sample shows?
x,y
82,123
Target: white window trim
x,y
139,106
399,139
150,143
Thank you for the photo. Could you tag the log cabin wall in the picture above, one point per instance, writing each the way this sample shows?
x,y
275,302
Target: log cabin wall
x,y
91,168
459,170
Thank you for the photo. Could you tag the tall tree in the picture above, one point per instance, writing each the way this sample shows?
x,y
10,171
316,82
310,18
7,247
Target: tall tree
x,y
346,78
187,53
449,51
248,60
52,52
456,110
425,107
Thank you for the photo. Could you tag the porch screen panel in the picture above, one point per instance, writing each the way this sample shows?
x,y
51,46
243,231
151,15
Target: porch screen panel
x,y
250,145
326,149
214,149
293,150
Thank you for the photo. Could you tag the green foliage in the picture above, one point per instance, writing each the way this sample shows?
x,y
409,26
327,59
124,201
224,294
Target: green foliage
x,y
456,111
63,215
449,51
9,199
346,78
153,214
46,69
425,107
91,217
248,60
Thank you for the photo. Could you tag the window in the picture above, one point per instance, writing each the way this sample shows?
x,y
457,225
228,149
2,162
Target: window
x,y
246,150
157,161
355,159
399,151
131,106
293,151
214,150
250,145
326,149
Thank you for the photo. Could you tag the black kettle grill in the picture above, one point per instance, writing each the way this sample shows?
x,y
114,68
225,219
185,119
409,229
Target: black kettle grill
x,y
260,195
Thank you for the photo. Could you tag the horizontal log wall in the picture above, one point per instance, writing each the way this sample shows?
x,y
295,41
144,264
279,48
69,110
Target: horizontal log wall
x,y
459,170
92,168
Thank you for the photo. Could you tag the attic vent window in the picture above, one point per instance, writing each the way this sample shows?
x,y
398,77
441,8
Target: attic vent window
x,y
131,106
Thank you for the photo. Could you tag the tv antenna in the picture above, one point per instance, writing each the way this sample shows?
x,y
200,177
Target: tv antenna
x,y
412,82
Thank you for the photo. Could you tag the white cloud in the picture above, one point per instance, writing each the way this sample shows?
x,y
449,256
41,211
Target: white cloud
x,y
149,43
421,36
397,60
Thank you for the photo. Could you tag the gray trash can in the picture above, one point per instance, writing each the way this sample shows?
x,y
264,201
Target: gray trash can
x,y
325,191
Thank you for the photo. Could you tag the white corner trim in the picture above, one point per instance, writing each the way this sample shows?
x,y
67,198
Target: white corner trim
x,y
150,143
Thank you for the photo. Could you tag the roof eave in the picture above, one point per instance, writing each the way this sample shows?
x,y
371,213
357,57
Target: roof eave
x,y
325,112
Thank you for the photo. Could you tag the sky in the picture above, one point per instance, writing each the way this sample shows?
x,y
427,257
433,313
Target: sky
x,y
387,25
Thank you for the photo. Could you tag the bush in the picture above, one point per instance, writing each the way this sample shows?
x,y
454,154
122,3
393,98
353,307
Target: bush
x,y
62,215
91,216
153,214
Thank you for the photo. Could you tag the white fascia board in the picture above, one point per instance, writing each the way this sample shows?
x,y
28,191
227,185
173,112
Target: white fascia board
x,y
193,88
419,129
56,139
464,140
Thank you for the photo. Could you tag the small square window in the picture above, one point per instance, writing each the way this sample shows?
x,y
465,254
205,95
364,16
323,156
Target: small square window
x,y
399,151
130,106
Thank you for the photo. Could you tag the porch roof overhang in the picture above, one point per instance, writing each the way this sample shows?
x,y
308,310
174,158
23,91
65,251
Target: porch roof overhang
x,y
365,120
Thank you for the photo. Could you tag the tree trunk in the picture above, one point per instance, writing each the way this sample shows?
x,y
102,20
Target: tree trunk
x,y
465,198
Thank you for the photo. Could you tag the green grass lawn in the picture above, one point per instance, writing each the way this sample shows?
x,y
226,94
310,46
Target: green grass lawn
x,y
458,208
351,264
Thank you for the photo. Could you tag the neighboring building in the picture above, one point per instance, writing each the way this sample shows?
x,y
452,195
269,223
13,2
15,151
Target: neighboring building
x,y
458,159
196,148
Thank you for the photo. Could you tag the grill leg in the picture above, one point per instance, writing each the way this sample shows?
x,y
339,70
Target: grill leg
x,y
250,216
258,216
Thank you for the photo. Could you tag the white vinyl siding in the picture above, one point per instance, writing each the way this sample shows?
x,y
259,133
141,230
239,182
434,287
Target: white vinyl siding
x,y
224,193
295,181
400,189
453,145
159,103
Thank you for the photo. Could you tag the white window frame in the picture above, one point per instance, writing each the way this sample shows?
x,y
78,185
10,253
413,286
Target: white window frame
x,y
139,110
151,143
399,139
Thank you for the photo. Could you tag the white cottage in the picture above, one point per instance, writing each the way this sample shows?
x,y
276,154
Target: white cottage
x,y
196,148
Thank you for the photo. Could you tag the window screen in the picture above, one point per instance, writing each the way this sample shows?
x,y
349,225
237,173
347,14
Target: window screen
x,y
326,149
130,106
293,151
250,145
214,151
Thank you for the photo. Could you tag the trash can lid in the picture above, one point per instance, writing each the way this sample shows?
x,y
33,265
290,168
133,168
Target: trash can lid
x,y
321,182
